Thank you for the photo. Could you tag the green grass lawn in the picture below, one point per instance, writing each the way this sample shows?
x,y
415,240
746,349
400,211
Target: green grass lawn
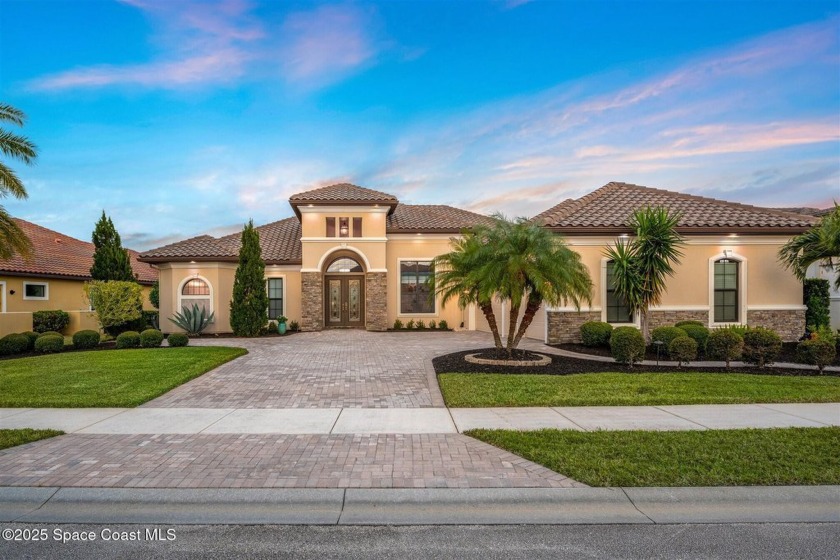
x,y
770,457
610,389
11,438
105,378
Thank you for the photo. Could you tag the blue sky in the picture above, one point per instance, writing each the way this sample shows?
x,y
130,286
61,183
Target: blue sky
x,y
180,118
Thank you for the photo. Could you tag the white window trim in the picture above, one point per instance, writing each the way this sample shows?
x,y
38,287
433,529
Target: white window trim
x,y
399,289
285,285
637,317
3,296
742,288
182,297
46,291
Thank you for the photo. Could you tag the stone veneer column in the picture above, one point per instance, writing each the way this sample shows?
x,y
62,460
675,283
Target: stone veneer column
x,y
312,301
788,323
376,301
564,326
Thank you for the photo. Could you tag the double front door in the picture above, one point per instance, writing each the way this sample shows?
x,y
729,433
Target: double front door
x,y
344,301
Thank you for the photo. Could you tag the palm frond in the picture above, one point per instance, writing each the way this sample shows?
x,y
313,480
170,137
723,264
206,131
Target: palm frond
x,y
11,114
12,239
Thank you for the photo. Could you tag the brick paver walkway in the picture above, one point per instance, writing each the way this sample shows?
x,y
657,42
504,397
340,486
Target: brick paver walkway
x,y
286,461
328,369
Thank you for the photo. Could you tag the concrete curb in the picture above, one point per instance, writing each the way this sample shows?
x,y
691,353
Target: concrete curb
x,y
437,506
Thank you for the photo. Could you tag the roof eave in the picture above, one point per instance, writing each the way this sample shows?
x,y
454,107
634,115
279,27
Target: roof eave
x,y
717,230
391,204
72,277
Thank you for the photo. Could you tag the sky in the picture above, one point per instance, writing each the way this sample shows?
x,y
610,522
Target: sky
x,y
179,118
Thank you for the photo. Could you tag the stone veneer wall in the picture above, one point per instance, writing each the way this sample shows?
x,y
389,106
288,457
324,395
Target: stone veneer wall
x,y
564,326
669,318
376,301
789,323
312,301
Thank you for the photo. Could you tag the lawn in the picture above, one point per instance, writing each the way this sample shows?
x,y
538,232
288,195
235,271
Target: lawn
x,y
105,378
612,389
768,457
11,438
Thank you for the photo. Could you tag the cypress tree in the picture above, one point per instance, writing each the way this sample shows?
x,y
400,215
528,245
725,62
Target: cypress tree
x,y
110,260
249,306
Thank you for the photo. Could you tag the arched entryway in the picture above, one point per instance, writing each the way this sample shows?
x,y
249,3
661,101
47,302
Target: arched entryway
x,y
344,291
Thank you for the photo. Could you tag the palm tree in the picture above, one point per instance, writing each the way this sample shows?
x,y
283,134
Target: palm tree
x,y
12,238
643,264
819,244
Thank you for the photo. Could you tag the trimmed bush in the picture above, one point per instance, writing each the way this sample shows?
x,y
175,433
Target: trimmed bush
x,y
666,334
596,333
683,349
724,344
85,340
682,324
151,338
761,346
699,333
46,321
740,330
410,324
128,339
49,344
294,326
421,324
627,345
817,352
432,325
32,336
12,344
177,340
398,325
443,325
50,333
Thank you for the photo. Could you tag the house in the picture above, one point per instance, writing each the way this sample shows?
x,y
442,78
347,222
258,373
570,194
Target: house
x,y
53,278
355,257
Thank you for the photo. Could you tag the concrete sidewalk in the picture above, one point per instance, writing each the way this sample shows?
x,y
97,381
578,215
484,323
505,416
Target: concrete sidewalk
x,y
812,504
418,420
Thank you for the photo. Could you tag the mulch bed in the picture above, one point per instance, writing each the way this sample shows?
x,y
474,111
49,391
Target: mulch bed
x,y
561,365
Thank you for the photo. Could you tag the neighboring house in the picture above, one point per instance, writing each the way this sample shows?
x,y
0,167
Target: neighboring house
x,y
53,278
354,257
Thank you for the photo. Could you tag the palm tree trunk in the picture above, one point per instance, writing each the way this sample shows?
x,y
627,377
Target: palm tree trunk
x,y
645,325
487,309
514,315
534,303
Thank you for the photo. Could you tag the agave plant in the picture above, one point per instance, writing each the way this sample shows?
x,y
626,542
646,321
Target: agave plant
x,y
194,320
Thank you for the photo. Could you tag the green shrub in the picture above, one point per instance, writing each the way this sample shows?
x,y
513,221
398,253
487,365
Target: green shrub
x,y
443,325
32,336
421,325
249,304
688,322
683,349
294,326
128,339
85,340
151,338
817,298
432,325
118,305
724,344
398,325
666,334
740,330
51,333
627,345
44,321
151,319
12,344
761,346
596,333
816,352
177,340
410,324
699,333
49,344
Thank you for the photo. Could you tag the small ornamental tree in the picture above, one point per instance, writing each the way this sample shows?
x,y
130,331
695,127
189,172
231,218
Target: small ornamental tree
x,y
115,303
154,295
249,306
110,260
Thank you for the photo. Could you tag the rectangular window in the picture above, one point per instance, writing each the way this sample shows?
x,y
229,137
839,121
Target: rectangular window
x,y
726,291
617,310
357,227
344,227
275,298
414,287
330,227
36,290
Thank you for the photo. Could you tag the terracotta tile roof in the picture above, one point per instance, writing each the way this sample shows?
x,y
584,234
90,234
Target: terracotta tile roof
x,y
807,211
608,209
342,192
411,218
58,255
280,242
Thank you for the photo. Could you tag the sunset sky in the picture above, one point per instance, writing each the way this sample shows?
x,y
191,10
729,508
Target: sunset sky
x,y
180,118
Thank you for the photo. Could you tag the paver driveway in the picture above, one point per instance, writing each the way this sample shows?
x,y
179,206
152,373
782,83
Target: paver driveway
x,y
327,369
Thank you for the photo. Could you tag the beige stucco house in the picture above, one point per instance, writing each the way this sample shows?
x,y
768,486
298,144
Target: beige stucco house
x,y
355,257
53,279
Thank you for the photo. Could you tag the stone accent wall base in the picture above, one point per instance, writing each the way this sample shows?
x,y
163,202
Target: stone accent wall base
x,y
376,301
788,323
669,318
312,301
564,326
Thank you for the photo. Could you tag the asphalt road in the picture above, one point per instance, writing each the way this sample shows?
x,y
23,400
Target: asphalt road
x,y
729,541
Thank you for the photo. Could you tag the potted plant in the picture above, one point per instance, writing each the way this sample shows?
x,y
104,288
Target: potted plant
x,y
281,324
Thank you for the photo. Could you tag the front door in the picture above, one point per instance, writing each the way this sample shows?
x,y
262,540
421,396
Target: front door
x,y
344,301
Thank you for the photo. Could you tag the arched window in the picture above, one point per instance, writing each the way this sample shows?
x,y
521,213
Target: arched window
x,y
195,291
344,265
